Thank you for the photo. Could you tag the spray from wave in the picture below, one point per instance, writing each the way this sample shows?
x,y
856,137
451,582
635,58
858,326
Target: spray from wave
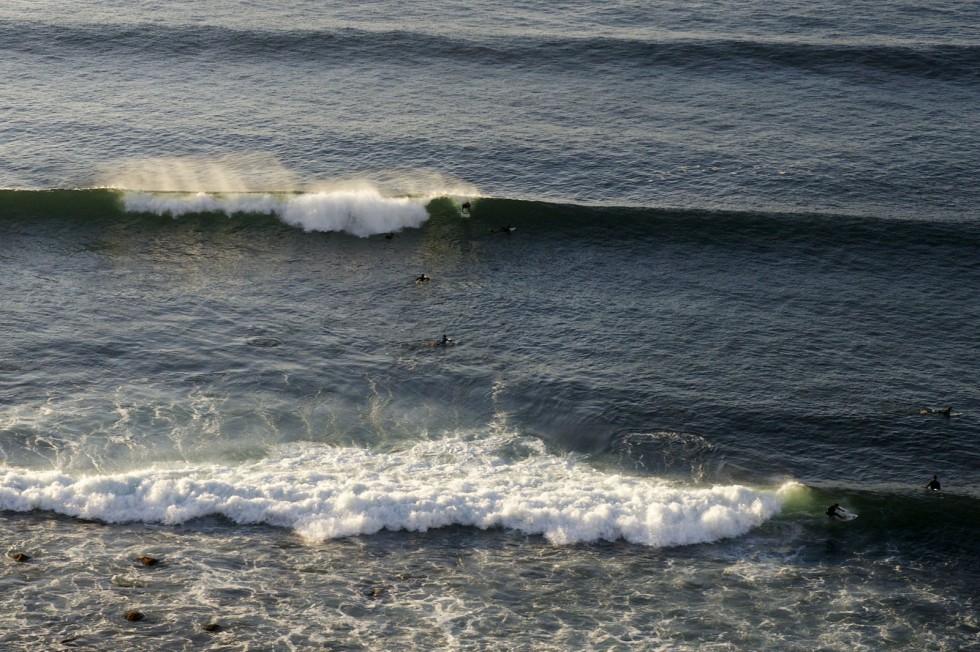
x,y
379,202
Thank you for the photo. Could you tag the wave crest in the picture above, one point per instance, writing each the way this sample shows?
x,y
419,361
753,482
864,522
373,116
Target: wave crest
x,y
361,212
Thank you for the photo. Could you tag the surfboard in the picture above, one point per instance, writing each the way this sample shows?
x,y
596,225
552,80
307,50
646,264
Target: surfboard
x,y
844,515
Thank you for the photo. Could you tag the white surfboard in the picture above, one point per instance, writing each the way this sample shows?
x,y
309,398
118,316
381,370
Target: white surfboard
x,y
844,515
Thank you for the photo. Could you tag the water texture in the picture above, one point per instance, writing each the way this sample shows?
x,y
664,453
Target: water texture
x,y
703,270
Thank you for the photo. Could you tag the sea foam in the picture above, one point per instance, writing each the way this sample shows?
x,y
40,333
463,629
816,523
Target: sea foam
x,y
324,493
360,211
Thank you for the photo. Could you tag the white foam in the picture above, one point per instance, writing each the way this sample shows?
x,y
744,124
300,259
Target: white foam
x,y
380,202
325,493
361,212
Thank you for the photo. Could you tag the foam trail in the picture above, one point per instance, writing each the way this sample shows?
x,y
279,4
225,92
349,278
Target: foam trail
x,y
324,493
361,212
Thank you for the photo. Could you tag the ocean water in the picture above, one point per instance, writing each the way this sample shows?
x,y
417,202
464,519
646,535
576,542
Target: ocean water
x,y
707,269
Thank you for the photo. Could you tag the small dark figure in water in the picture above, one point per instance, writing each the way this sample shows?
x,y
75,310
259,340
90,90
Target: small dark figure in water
x,y
832,511
948,412
445,341
933,484
422,279
503,229
389,236
465,207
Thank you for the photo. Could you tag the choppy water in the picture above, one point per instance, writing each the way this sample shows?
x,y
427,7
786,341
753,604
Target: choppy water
x,y
742,285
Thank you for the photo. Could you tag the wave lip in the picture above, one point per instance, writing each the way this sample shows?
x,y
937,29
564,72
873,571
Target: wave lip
x,y
325,493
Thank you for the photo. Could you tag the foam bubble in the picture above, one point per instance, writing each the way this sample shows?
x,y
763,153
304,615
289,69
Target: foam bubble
x,y
324,493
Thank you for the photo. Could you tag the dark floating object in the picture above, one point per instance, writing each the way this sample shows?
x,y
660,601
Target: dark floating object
x,y
134,615
445,341
264,342
18,556
947,412
148,561
375,592
212,627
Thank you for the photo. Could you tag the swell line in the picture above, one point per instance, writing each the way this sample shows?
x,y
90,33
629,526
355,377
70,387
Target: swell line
x,y
366,211
946,62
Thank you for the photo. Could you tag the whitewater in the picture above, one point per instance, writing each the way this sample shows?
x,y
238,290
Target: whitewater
x,y
326,494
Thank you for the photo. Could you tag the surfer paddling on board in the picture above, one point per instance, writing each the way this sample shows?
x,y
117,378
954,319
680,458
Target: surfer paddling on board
x,y
422,279
445,341
947,412
933,484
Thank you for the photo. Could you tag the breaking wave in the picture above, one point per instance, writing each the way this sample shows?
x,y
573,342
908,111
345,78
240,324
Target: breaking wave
x,y
324,493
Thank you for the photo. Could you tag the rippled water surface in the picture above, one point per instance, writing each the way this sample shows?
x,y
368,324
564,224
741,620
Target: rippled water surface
x,y
705,271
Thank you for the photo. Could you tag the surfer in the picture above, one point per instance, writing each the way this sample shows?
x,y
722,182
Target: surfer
x,y
422,279
465,207
445,341
947,412
503,229
834,511
933,484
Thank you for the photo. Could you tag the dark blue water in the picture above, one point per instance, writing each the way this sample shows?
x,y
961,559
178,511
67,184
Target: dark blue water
x,y
719,270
